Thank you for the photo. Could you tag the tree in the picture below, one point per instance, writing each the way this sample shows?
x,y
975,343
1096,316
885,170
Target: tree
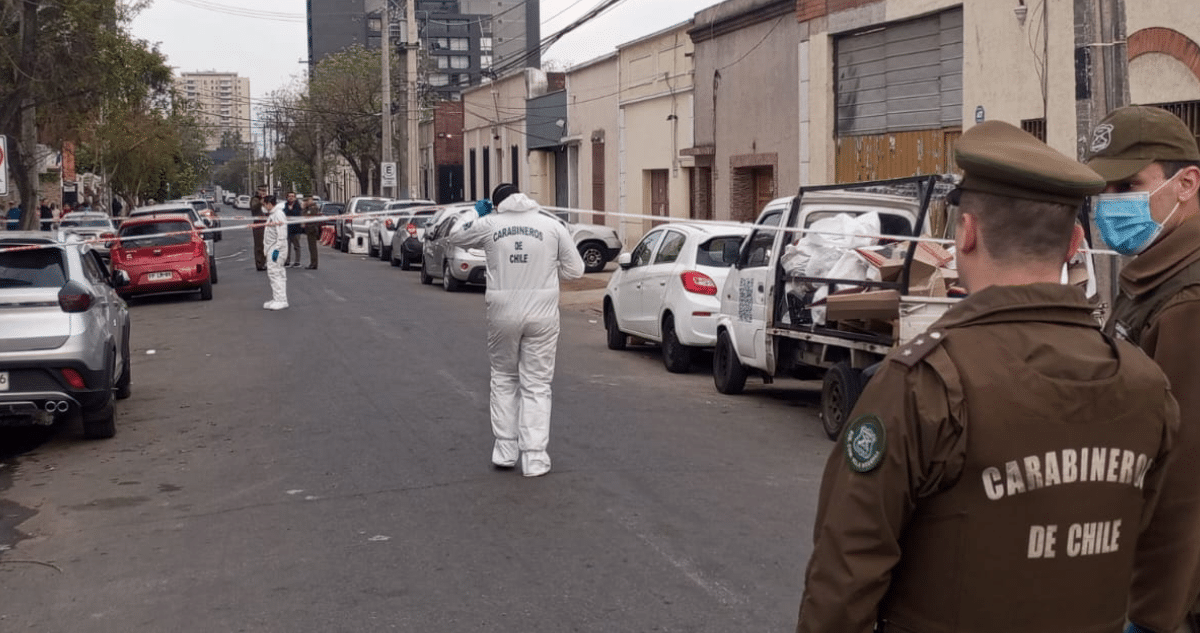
x,y
290,113
62,62
345,98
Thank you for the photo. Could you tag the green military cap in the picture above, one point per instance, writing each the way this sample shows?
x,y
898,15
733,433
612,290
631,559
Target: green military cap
x,y
1130,138
1002,159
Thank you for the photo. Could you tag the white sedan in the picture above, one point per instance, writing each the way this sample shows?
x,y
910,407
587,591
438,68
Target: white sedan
x,y
667,290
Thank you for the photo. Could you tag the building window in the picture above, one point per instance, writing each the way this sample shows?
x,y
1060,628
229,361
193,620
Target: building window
x,y
460,44
438,79
1036,127
460,62
443,62
485,44
375,24
485,61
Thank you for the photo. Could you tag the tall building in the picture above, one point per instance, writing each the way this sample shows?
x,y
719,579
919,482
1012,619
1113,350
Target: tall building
x,y
223,102
462,41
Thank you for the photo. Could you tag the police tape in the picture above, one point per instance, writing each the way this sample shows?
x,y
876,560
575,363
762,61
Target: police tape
x,y
255,222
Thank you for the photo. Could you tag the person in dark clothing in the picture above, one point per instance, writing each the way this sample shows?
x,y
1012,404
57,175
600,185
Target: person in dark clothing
x,y
258,217
293,211
47,215
312,230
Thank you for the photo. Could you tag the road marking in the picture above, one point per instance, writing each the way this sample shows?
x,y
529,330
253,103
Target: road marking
x,y
336,296
714,588
458,386
237,254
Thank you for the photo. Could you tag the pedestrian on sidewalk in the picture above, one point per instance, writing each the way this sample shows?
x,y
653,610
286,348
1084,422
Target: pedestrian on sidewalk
x,y
527,253
312,229
275,242
294,212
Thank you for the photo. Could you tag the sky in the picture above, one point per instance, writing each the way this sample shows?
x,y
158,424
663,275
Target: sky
x,y
269,42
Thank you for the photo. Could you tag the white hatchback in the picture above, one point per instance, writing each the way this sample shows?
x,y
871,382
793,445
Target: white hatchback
x,y
667,290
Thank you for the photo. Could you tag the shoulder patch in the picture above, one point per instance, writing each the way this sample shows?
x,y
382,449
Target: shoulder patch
x,y
865,443
917,349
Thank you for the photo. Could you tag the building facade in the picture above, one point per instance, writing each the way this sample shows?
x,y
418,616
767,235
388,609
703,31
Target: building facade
x,y
222,102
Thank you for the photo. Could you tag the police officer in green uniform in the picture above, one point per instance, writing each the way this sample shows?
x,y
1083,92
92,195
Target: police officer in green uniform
x,y
258,216
1151,210
997,470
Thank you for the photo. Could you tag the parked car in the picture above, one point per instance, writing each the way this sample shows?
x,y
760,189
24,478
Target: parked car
x,y
64,342
382,226
667,290
597,244
162,253
351,235
89,225
185,208
330,210
408,238
208,214
453,265
242,202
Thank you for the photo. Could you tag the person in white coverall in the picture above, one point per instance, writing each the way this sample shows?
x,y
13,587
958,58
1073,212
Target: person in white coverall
x,y
527,253
275,245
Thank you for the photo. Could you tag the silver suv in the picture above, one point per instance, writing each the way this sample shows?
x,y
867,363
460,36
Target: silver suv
x,y
64,334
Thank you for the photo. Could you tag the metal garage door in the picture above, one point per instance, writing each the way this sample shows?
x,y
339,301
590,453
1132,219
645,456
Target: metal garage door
x,y
902,76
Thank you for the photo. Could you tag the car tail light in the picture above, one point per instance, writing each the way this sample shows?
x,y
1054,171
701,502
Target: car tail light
x,y
390,225
197,246
698,283
73,297
73,378
412,229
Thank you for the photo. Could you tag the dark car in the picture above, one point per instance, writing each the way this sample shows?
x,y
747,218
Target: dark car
x,y
331,210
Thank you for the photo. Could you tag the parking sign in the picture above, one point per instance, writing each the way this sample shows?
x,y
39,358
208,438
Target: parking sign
x,y
388,175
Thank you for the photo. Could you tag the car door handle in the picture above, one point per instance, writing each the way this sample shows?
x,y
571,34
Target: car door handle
x,y
760,287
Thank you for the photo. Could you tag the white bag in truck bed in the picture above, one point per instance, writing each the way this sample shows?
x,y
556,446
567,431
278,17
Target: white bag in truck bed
x,y
918,313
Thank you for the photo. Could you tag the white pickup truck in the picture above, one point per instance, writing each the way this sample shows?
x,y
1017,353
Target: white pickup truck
x,y
766,326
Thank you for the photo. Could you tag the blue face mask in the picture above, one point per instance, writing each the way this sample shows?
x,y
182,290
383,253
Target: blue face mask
x,y
1125,222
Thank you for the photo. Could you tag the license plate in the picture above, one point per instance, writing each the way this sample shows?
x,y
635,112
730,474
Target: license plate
x,y
3,381
159,276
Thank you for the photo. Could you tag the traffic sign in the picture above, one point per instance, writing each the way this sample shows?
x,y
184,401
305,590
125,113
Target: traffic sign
x,y
388,175
3,165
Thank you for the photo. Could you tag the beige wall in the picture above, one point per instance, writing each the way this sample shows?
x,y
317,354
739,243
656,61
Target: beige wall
x,y
655,84
493,121
1155,77
593,101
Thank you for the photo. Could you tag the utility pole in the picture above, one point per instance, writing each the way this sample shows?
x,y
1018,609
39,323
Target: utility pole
x,y
1101,86
412,112
386,187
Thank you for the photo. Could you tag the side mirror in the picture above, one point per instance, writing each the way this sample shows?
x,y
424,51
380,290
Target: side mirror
x,y
200,225
729,252
120,279
624,260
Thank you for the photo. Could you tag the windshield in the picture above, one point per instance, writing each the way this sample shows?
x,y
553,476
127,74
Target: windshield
x,y
366,206
332,209
86,222
41,268
132,236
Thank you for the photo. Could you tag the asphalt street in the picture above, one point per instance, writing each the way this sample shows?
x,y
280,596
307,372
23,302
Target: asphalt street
x,y
327,468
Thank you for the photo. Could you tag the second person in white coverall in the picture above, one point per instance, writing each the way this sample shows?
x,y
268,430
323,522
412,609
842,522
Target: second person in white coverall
x,y
527,253
275,244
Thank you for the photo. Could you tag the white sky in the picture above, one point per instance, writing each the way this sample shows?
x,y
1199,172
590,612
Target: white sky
x,y
267,40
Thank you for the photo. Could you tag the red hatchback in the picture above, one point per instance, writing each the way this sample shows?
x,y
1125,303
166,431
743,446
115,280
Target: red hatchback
x,y
162,253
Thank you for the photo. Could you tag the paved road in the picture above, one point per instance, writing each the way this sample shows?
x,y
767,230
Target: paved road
x,y
326,468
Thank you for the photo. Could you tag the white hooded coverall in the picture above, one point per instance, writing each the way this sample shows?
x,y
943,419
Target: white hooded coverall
x,y
527,253
275,239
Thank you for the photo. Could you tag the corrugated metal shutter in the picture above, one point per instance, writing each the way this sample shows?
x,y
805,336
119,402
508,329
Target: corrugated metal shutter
x,y
901,77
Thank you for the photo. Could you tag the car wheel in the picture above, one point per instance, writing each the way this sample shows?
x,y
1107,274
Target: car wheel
x,y
425,278
593,257
839,392
371,250
101,423
404,265
449,283
124,384
212,269
345,244
395,262
729,375
385,253
677,357
616,338
206,290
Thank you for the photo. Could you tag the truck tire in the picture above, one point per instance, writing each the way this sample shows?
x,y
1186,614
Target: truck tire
x,y
729,374
677,357
616,338
839,392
